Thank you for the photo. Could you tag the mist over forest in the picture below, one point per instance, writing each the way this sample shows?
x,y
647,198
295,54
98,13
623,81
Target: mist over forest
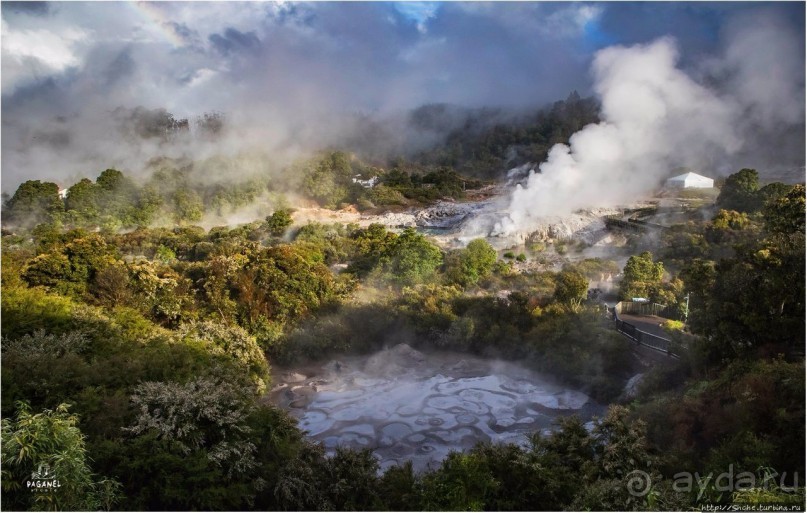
x,y
402,256
422,86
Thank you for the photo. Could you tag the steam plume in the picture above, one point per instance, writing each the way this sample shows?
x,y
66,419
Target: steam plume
x,y
653,115
656,118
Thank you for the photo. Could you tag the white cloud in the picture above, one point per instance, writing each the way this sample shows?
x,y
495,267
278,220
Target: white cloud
x,y
569,21
28,53
201,76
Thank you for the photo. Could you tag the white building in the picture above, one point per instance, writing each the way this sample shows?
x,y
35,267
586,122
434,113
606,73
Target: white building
x,y
690,181
367,184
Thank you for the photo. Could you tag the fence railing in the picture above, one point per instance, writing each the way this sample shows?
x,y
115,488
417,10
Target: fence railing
x,y
637,308
642,338
646,308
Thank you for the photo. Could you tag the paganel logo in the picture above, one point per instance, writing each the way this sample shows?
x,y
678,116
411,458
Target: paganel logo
x,y
43,480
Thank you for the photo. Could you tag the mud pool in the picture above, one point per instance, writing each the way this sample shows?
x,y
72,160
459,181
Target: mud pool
x,y
407,405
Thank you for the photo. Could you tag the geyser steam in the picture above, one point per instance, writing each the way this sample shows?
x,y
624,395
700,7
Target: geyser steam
x,y
654,117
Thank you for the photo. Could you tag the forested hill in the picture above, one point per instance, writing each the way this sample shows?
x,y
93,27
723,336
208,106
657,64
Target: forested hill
x,y
185,192
487,149
480,142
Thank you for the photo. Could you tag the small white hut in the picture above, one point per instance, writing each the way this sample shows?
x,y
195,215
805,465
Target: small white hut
x,y
690,181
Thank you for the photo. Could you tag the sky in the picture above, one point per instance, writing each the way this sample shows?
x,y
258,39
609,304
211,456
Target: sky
x,y
290,71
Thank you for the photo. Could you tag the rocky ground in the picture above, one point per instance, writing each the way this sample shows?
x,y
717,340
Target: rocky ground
x,y
550,244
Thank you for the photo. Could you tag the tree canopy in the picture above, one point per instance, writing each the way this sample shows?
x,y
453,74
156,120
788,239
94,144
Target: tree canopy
x,y
640,275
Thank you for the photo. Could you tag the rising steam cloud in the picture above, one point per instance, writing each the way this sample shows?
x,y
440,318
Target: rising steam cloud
x,y
656,118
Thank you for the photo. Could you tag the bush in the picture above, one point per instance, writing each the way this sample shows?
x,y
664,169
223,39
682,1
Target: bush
x,y
469,265
384,195
364,204
278,222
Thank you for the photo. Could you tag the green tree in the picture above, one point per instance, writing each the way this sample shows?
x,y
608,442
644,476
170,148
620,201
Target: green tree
x,y
462,483
328,179
350,479
740,192
278,222
160,292
412,258
570,287
148,205
785,213
396,178
50,442
206,413
112,180
730,219
728,229
187,206
471,264
398,488
385,195
48,269
621,449
640,275
111,285
283,283
297,488
235,343
218,284
46,236
699,278
195,443
373,246
165,255
567,457
72,267
754,300
117,199
773,191
34,202
81,202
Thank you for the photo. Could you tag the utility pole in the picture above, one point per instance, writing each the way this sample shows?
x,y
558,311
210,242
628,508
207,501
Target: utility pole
x,y
686,309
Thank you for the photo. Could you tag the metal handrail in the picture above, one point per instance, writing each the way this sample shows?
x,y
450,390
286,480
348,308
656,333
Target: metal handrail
x,y
642,338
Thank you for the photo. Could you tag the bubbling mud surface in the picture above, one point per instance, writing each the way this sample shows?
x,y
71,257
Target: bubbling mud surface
x,y
407,405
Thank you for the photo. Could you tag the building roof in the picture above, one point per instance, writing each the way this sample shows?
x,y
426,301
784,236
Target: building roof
x,y
686,176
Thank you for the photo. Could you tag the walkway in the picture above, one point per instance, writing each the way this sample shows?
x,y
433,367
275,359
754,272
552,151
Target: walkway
x,y
648,323
645,330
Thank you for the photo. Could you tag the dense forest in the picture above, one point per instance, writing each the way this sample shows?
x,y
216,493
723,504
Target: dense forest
x,y
137,347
